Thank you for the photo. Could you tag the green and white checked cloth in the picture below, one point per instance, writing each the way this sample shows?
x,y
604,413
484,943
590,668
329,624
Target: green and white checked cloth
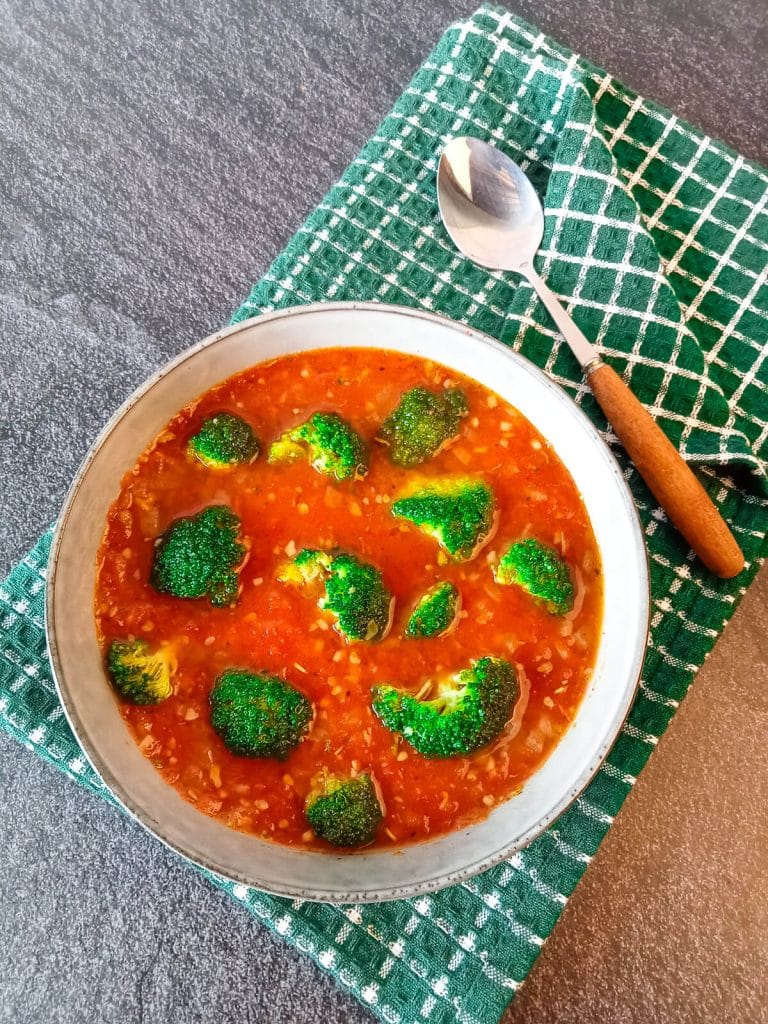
x,y
657,239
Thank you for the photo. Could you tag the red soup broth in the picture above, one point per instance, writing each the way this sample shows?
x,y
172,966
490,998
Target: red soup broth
x,y
279,629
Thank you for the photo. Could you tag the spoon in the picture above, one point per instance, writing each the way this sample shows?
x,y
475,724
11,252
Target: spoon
x,y
494,217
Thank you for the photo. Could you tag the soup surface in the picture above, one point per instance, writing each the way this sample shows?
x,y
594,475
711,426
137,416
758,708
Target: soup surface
x,y
275,628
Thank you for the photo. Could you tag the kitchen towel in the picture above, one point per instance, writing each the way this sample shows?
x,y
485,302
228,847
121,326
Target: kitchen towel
x,y
657,240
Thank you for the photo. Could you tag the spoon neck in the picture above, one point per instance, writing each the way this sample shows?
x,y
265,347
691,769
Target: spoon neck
x,y
585,352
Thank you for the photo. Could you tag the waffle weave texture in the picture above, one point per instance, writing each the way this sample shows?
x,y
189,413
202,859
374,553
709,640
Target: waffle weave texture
x,y
657,240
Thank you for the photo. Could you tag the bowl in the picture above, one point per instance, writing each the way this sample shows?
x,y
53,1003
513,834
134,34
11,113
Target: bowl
x,y
367,876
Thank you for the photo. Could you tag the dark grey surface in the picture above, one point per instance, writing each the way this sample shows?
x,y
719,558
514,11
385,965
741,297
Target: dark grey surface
x,y
154,159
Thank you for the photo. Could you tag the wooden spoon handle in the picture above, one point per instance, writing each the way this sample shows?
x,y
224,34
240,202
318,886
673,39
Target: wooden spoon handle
x,y
661,466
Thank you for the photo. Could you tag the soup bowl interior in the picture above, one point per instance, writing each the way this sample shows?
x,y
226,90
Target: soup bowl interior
x,y
92,709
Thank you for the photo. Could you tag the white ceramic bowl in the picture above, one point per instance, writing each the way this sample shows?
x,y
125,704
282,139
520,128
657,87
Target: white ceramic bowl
x,y
90,704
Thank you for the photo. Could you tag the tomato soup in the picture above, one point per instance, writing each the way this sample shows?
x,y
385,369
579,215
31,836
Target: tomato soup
x,y
275,628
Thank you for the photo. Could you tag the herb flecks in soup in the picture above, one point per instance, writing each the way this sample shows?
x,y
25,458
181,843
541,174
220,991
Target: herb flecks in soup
x,y
348,597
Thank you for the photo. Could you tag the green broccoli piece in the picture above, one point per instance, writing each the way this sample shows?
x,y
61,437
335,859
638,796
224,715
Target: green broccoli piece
x,y
258,715
539,569
355,593
224,440
422,424
459,513
138,673
436,612
200,556
345,812
469,709
332,446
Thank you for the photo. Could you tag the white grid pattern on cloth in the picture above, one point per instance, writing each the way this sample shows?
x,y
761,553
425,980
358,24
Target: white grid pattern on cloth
x,y
731,325
613,86
670,267
612,308
672,369
737,164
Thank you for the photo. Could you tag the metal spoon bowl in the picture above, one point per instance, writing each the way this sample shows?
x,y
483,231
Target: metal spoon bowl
x,y
492,213
489,204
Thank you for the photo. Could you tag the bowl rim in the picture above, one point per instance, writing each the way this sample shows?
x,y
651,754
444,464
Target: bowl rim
x,y
482,864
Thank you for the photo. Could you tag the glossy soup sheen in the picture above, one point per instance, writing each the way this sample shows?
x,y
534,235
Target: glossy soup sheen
x,y
277,628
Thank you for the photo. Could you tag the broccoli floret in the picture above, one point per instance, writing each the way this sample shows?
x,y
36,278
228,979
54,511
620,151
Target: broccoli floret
x,y
469,709
345,812
422,423
224,440
436,612
258,715
199,556
460,514
140,674
537,568
355,593
332,446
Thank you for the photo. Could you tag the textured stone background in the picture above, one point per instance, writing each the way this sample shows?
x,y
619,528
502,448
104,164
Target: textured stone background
x,y
155,157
